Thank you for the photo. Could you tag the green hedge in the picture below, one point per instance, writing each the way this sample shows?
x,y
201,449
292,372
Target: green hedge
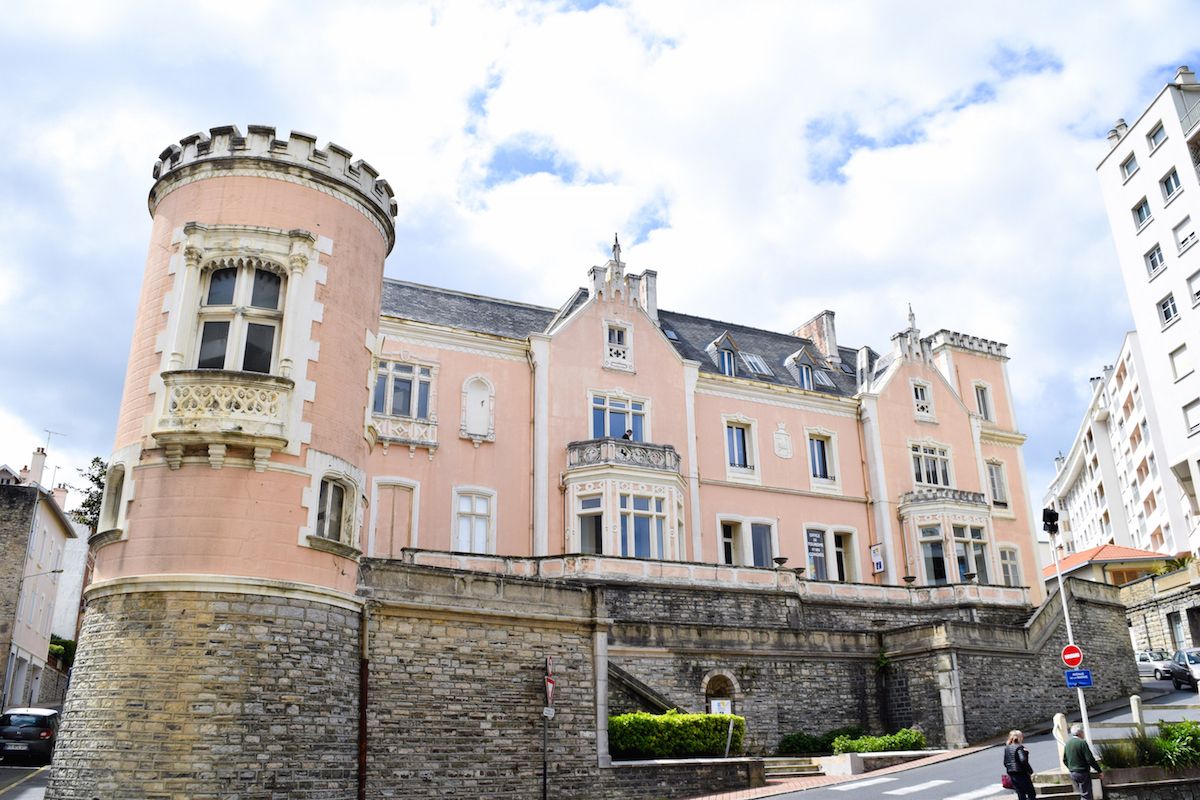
x,y
673,735
802,743
903,739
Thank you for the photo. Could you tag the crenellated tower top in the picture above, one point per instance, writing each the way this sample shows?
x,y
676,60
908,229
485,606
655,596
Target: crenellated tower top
x,y
224,150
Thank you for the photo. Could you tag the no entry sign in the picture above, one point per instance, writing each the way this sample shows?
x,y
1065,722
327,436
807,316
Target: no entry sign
x,y
1072,656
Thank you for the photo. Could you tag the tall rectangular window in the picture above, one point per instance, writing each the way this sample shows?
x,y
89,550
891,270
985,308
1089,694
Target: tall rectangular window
x,y
331,510
970,551
760,542
402,390
818,457
591,525
1170,184
240,317
643,526
618,416
1010,567
805,375
736,441
814,540
473,522
983,402
934,555
998,485
730,543
726,363
922,400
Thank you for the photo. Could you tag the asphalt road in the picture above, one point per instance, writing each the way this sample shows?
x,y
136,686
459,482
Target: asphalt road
x,y
23,783
977,776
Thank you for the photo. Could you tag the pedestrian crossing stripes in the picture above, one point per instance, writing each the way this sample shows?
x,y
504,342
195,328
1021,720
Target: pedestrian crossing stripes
x,y
850,787
920,787
979,794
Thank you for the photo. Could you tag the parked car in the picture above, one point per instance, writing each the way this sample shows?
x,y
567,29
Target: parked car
x,y
1154,662
1185,668
28,733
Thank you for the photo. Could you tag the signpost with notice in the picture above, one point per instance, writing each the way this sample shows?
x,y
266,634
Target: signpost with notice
x,y
547,715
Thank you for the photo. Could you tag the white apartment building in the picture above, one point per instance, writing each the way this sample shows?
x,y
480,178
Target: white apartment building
x,y
1109,488
1151,188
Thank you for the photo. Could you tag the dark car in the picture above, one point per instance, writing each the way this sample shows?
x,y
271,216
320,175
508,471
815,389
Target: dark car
x,y
1185,668
28,734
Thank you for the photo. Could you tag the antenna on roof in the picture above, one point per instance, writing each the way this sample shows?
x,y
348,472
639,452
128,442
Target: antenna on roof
x,y
50,433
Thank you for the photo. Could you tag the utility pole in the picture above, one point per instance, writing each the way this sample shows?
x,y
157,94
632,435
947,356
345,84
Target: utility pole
x,y
1050,526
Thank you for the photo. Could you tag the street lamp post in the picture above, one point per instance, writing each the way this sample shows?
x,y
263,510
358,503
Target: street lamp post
x,y
9,670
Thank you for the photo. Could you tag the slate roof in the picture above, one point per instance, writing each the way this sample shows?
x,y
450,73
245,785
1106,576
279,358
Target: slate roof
x,y
429,304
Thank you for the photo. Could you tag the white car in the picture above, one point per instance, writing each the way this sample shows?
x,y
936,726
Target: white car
x,y
1156,663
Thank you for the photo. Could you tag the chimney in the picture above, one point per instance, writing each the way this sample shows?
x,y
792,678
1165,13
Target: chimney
x,y
820,329
37,465
1121,127
1184,75
1113,138
60,495
24,474
597,275
649,293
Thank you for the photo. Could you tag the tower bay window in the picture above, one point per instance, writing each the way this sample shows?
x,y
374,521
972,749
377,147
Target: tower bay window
x,y
591,525
643,526
970,552
934,555
240,316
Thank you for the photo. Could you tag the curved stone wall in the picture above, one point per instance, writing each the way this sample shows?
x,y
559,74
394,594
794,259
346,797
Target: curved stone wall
x,y
210,694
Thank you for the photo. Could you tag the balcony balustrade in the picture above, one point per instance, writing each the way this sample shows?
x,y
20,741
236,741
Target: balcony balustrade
x,y
405,431
222,407
622,453
941,494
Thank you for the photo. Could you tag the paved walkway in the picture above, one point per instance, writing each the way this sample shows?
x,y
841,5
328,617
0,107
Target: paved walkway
x,y
778,787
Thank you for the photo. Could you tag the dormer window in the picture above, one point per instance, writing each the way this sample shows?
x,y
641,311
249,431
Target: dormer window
x,y
618,353
240,317
805,377
727,363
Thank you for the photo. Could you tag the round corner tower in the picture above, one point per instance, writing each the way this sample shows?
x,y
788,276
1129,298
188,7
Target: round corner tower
x,y
220,647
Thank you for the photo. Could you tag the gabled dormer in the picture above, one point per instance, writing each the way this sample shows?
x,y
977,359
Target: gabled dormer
x,y
724,353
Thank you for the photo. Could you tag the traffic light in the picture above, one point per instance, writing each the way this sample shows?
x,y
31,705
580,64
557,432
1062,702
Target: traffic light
x,y
1049,520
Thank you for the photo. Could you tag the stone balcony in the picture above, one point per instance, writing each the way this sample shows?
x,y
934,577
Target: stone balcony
x,y
407,432
622,453
219,408
942,495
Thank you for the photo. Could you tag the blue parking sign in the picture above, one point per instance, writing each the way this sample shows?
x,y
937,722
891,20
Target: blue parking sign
x,y
1078,677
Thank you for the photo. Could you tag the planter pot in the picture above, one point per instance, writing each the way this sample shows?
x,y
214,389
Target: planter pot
x,y
1116,777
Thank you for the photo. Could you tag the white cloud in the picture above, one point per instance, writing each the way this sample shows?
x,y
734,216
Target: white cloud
x,y
853,156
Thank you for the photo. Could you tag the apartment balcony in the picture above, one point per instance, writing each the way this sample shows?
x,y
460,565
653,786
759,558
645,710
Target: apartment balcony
x,y
409,432
622,453
220,408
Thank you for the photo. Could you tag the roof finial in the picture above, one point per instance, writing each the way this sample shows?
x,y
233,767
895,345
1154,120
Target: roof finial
x,y
616,250
912,318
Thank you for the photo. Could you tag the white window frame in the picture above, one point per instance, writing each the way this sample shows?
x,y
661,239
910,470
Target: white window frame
x,y
474,492
924,539
923,409
1155,261
624,530
1193,285
1181,362
997,477
238,314
618,354
620,395
986,408
1129,166
832,484
727,362
973,549
416,378
804,376
744,539
1191,417
1184,234
1139,221
1153,141
324,466
752,473
1166,318
1009,560
325,498
598,511
756,364
830,535
1170,185
946,454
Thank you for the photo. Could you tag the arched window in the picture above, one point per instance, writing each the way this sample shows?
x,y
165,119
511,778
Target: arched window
x,y
720,690
240,315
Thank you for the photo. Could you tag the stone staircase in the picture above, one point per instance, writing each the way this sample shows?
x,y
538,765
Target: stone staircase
x,y
777,769
1054,784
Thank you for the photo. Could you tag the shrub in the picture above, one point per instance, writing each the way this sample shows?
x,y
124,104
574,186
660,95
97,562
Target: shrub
x,y
802,743
673,735
1179,744
903,739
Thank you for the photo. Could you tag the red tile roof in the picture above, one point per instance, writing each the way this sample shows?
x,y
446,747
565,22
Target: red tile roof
x,y
1106,553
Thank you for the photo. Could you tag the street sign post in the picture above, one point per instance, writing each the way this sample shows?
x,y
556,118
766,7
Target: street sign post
x,y
1078,678
1072,656
1050,526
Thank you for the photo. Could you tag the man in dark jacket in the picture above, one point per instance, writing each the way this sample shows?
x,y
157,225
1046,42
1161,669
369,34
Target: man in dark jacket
x,y
1079,761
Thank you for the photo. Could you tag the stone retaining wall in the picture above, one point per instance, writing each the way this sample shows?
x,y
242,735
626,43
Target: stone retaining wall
x,y
1162,790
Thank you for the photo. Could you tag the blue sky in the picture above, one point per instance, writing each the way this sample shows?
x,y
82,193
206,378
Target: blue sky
x,y
769,160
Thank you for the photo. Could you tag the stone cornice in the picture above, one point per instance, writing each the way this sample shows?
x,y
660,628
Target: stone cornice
x,y
991,435
223,584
